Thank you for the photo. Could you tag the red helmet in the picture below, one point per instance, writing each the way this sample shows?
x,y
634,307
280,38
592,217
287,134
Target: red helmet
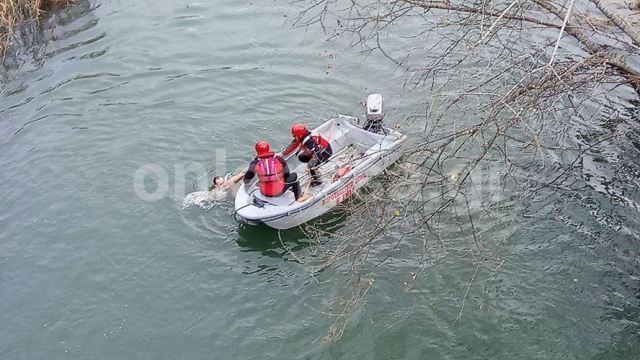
x,y
262,148
299,131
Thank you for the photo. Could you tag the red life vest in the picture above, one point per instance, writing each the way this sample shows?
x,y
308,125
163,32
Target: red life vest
x,y
270,173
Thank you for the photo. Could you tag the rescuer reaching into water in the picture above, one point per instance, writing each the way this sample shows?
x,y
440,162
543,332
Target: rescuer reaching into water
x,y
312,149
274,177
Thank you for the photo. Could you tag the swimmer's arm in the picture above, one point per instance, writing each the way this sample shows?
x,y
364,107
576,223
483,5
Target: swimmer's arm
x,y
236,178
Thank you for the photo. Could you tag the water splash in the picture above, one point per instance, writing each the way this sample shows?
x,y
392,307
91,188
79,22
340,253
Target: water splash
x,y
205,200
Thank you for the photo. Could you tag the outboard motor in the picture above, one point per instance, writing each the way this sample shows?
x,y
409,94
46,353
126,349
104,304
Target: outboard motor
x,y
375,114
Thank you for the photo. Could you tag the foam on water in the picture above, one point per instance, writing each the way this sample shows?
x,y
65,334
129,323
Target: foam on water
x,y
205,200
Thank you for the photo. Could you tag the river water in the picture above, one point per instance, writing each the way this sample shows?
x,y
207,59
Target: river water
x,y
90,269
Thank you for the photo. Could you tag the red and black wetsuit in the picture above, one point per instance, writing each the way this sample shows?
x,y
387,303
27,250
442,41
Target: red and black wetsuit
x,y
274,177
313,148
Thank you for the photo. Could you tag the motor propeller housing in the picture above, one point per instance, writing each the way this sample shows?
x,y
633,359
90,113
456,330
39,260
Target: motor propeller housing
x,y
374,114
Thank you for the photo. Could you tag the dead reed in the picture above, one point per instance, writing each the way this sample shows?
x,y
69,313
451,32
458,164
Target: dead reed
x,y
13,13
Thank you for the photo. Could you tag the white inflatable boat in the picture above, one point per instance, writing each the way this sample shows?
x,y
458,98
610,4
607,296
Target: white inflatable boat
x,y
358,155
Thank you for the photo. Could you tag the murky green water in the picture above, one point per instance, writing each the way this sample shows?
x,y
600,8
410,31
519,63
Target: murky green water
x,y
88,270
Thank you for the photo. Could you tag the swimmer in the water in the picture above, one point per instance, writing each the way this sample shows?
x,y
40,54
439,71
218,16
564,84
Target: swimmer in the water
x,y
228,186
221,190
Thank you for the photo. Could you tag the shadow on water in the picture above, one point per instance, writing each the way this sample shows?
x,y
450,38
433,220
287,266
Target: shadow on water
x,y
269,241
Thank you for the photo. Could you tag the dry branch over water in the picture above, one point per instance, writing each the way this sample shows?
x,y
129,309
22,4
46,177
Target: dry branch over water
x,y
14,13
502,83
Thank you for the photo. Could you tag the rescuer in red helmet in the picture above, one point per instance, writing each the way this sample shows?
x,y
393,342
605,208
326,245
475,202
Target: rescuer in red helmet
x,y
274,177
312,149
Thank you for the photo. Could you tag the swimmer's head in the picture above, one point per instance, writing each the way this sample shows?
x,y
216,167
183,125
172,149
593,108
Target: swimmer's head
x,y
218,181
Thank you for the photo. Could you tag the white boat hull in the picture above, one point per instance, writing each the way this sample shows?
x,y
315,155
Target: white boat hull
x,y
367,153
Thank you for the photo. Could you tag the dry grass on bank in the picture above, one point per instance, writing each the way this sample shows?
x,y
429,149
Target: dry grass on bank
x,y
15,12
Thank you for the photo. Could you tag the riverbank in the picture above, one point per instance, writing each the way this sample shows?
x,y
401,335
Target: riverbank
x,y
13,13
